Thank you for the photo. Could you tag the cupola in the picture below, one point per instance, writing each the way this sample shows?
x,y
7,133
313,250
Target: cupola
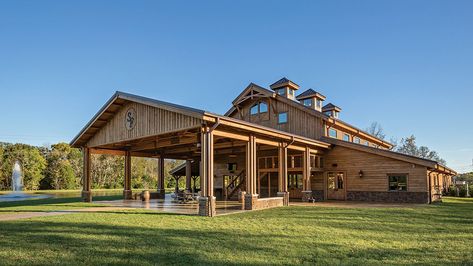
x,y
311,99
285,88
331,110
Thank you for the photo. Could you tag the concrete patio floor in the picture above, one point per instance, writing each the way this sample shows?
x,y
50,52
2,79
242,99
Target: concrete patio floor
x,y
167,205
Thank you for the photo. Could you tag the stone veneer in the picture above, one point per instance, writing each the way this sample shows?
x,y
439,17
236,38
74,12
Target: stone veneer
x,y
252,202
207,206
398,197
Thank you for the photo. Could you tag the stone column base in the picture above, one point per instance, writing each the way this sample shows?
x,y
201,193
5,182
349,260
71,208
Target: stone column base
x,y
207,206
86,196
161,193
307,195
285,196
127,194
251,201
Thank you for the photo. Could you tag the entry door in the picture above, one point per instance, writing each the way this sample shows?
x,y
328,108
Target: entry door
x,y
336,185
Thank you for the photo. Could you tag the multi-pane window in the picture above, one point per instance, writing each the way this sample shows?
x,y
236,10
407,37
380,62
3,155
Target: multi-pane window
x,y
332,133
346,137
307,102
281,92
397,182
357,140
282,118
260,107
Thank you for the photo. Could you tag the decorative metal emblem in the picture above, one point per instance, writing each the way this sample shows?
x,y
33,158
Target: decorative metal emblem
x,y
130,119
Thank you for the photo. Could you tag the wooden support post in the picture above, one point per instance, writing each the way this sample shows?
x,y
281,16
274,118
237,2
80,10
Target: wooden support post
x,y
282,173
251,196
127,193
86,177
306,187
188,175
207,199
161,190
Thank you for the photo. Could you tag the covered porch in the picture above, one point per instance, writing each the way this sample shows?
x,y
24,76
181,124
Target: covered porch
x,y
230,158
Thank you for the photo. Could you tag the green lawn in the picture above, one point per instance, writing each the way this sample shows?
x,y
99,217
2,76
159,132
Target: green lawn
x,y
432,234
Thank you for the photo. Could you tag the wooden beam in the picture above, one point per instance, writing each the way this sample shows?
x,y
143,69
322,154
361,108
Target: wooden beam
x,y
86,176
251,173
225,134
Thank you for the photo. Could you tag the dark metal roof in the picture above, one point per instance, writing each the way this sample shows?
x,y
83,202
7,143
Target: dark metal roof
x,y
330,106
309,93
282,81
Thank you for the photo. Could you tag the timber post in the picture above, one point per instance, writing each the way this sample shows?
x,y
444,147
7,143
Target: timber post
x,y
127,193
188,175
207,200
161,190
282,174
86,177
306,187
251,195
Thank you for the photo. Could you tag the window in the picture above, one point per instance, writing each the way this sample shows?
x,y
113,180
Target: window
x,y
346,137
260,107
254,109
329,113
397,182
281,92
291,93
367,143
335,114
307,102
263,107
357,140
318,103
282,118
332,133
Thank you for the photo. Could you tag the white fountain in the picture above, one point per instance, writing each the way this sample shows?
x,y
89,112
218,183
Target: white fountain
x,y
17,187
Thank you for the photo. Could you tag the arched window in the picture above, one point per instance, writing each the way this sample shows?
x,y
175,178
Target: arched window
x,y
263,107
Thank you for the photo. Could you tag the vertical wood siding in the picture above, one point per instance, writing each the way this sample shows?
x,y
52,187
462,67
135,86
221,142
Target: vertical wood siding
x,y
149,121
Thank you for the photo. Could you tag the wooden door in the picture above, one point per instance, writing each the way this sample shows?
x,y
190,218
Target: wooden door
x,y
294,185
336,185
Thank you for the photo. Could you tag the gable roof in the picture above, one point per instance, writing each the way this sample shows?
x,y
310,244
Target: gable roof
x,y
308,94
116,102
390,154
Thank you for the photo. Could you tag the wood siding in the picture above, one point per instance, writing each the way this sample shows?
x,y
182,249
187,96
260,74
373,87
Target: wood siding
x,y
150,121
375,170
299,122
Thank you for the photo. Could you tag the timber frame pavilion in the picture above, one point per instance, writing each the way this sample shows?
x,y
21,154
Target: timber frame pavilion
x,y
130,125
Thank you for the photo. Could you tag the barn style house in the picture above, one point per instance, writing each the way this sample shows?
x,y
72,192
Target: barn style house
x,y
273,146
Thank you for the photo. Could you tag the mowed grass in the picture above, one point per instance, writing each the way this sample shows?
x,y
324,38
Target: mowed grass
x,y
431,234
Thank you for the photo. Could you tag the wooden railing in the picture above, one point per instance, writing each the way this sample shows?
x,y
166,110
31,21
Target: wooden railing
x,y
237,182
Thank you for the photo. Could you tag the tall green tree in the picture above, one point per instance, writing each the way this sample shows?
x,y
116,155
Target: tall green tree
x,y
63,167
408,146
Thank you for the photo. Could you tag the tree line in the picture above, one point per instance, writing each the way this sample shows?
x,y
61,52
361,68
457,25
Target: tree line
x,y
60,167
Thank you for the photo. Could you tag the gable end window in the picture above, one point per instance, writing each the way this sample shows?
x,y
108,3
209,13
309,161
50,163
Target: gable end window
x,y
346,137
332,133
282,118
397,182
259,108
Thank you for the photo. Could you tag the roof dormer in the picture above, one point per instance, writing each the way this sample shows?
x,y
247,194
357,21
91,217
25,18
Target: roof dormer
x,y
285,88
311,99
331,110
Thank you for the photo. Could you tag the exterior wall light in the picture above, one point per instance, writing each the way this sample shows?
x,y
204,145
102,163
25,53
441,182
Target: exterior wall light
x,y
360,174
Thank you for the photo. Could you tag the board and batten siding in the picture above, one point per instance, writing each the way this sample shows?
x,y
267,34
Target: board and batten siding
x,y
375,170
299,122
150,121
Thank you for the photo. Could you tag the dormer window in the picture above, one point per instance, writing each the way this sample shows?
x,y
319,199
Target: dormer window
x,y
318,103
291,93
329,113
281,92
335,114
285,88
307,102
259,108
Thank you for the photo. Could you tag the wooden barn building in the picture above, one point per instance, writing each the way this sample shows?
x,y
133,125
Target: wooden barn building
x,y
270,148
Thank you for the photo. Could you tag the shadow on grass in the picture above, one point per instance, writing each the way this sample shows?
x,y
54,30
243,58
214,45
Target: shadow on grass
x,y
54,201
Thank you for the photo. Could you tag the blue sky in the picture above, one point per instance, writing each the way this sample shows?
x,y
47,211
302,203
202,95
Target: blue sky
x,y
405,64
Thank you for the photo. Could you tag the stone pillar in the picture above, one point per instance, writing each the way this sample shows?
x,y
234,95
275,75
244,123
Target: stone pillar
x,y
86,177
161,190
206,199
306,187
188,175
282,174
251,174
127,193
